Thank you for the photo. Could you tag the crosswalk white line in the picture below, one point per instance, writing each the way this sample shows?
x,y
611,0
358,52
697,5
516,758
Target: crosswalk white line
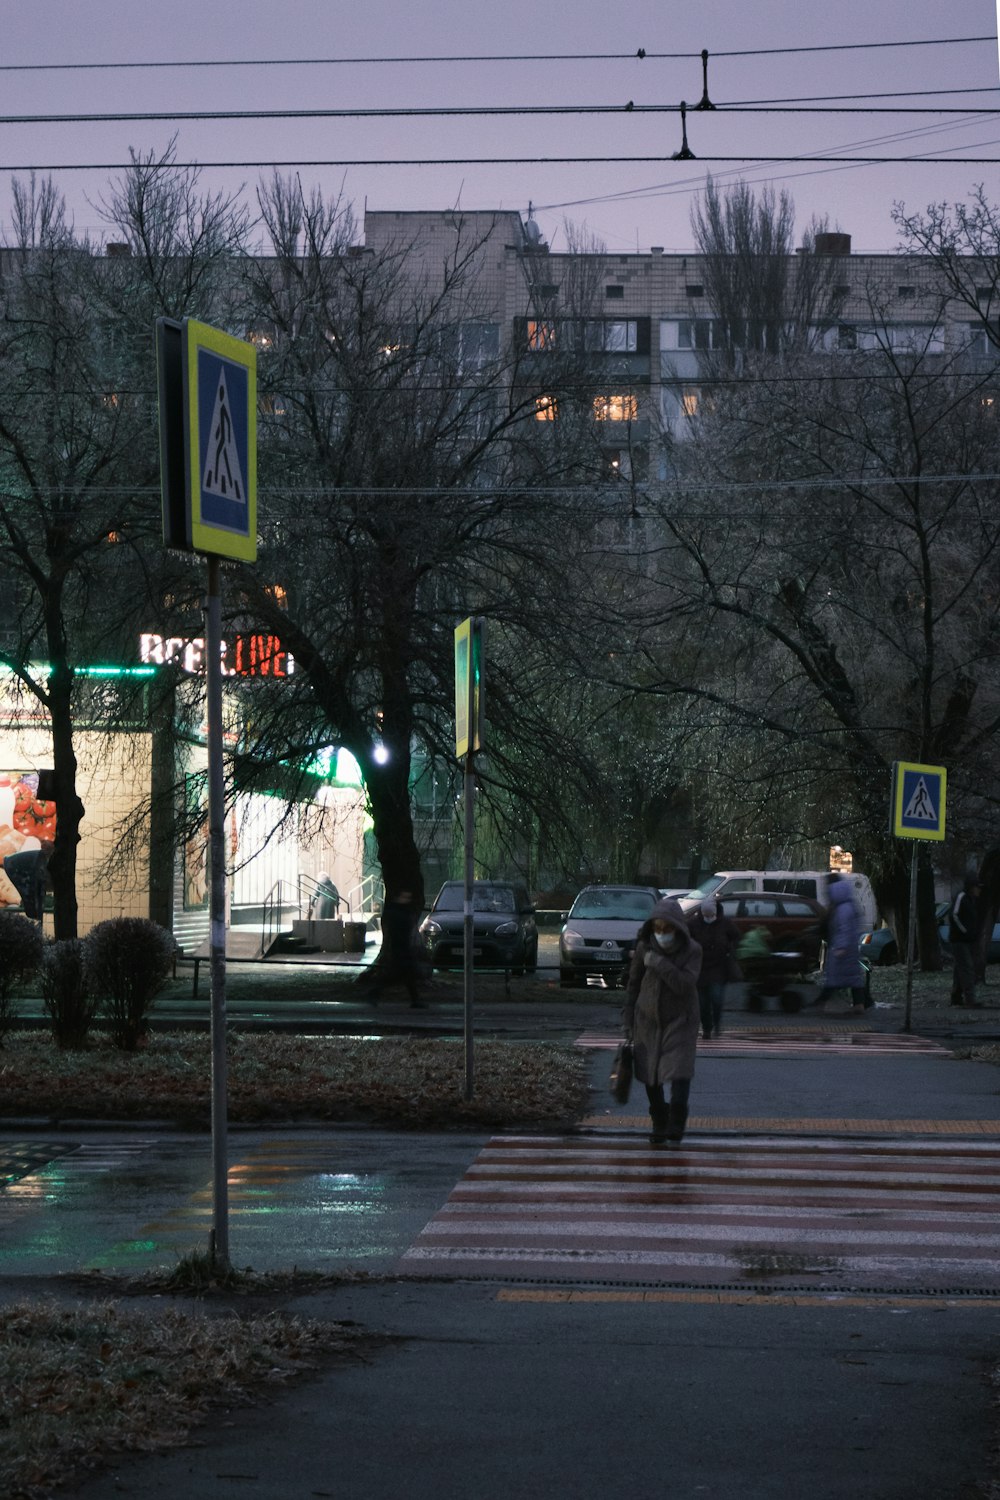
x,y
759,1042
884,1212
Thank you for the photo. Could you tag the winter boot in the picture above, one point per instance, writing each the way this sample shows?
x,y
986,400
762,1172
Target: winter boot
x,y
678,1113
659,1114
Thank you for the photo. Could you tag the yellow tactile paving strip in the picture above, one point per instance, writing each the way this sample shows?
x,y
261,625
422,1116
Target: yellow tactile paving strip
x,y
744,1299
812,1127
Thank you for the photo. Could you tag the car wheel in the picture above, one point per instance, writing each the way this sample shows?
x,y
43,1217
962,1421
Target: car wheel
x,y
567,979
755,1000
890,954
531,961
791,1001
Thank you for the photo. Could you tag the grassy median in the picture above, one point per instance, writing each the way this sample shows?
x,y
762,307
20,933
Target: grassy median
x,y
410,1082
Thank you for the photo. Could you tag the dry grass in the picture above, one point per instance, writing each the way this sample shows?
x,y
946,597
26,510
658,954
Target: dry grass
x,y
80,1383
400,1081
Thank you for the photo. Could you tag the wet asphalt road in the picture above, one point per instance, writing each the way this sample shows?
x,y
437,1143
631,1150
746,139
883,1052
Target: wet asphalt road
x,y
561,1386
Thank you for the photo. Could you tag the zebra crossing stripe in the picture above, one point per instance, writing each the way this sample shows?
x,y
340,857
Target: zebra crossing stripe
x,y
834,1042
882,1213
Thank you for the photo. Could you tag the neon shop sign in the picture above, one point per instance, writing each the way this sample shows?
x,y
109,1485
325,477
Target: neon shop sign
x,y
242,655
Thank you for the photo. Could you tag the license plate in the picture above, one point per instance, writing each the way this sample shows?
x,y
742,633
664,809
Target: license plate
x,y
477,952
608,958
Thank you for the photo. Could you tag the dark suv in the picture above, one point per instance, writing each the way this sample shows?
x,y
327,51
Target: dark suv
x,y
504,934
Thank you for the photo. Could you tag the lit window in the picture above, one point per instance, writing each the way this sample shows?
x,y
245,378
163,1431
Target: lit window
x,y
989,401
546,409
260,340
616,408
541,335
689,402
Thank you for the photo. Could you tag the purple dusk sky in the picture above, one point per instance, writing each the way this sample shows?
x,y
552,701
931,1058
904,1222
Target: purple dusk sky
x,y
626,204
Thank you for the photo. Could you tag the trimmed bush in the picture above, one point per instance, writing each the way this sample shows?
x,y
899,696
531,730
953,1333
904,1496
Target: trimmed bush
x,y
21,949
127,961
68,1000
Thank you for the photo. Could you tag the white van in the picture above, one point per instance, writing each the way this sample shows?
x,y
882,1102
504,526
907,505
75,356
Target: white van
x,y
809,883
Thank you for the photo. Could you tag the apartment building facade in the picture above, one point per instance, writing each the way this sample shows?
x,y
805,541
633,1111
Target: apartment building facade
x,y
644,323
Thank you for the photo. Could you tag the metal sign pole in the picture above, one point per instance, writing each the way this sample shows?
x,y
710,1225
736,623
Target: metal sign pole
x,y
911,935
219,1242
468,934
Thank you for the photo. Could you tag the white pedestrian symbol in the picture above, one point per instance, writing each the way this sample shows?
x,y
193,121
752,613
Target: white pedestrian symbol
x,y
920,808
223,472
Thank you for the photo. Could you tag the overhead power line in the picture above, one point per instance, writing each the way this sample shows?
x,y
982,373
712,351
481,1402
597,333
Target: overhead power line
x,y
640,54
519,161
478,111
621,490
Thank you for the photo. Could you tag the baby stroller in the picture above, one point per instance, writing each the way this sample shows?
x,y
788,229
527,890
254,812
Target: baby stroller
x,y
771,974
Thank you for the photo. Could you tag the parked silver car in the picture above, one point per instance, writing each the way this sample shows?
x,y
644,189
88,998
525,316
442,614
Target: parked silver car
x,y
600,932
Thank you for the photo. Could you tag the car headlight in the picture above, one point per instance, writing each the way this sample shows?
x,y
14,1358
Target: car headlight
x,y
506,929
571,939
431,929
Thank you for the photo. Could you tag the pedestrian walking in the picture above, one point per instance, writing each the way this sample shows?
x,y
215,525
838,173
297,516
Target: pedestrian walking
x,y
397,963
843,969
718,939
660,1016
964,923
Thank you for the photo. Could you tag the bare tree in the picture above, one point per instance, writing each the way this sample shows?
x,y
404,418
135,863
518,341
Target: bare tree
x,y
764,297
392,458
79,508
818,591
963,245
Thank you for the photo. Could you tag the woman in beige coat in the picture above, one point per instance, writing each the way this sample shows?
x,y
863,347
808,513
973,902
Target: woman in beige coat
x,y
661,1016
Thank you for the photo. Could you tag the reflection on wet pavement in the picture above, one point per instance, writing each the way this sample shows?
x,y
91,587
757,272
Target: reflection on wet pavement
x,y
318,1201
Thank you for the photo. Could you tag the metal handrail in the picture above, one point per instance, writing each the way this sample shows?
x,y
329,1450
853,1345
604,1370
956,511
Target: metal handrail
x,y
365,894
273,906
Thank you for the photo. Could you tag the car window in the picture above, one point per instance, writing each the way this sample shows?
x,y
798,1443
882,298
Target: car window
x,y
485,897
493,898
789,886
737,883
731,906
760,906
795,908
598,902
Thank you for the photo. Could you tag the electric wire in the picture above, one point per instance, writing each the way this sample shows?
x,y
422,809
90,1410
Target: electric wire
x,y
479,111
936,160
619,491
641,54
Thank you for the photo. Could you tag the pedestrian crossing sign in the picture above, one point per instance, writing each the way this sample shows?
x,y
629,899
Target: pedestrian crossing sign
x,y
220,382
918,799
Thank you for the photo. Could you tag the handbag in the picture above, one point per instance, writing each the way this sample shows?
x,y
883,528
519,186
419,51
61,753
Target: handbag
x,y
621,1073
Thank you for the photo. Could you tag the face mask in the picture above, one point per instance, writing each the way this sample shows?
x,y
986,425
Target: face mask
x,y
665,939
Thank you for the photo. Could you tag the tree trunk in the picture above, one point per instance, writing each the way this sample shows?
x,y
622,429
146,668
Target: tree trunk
x,y
389,795
69,808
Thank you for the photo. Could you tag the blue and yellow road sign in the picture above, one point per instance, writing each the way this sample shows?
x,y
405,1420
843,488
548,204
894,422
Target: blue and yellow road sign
x,y
220,388
918,800
469,686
